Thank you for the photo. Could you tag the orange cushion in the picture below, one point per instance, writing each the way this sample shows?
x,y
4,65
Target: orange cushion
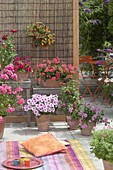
x,y
43,145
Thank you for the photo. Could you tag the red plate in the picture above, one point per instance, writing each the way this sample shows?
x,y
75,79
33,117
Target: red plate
x,y
34,163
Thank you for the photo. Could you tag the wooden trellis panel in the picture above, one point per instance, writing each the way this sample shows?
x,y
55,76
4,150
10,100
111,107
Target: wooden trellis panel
x,y
58,15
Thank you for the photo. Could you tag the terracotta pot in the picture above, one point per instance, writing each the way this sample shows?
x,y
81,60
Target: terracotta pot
x,y
49,83
73,123
43,122
87,131
107,165
2,127
22,76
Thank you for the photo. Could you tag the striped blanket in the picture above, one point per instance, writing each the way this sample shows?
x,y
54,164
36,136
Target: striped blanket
x,y
75,158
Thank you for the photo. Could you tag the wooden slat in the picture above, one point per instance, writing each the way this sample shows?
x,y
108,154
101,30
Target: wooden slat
x,y
76,33
20,119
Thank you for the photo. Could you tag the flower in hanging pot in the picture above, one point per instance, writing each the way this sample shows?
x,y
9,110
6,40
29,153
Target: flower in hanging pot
x,y
40,34
56,70
7,49
42,104
101,145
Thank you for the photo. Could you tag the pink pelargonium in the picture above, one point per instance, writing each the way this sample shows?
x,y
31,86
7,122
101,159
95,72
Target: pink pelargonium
x,y
1,119
8,73
10,109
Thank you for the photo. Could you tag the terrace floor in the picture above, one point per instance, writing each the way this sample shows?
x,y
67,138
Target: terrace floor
x,y
21,132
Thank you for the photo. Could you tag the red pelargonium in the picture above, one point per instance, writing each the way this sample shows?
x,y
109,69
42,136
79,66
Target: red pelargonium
x,y
55,70
22,64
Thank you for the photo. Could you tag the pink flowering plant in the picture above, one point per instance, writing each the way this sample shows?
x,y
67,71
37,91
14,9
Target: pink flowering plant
x,y
22,64
55,70
91,113
1,119
70,101
42,104
9,96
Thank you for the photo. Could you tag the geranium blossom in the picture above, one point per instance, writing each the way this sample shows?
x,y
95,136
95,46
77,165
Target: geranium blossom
x,y
9,96
55,70
22,64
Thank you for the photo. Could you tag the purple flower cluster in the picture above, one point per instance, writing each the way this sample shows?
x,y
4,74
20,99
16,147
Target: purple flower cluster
x,y
42,104
89,114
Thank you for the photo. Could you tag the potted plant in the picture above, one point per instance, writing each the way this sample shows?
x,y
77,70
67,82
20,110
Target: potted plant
x,y
7,49
42,107
22,67
102,146
9,96
54,71
71,102
40,34
89,116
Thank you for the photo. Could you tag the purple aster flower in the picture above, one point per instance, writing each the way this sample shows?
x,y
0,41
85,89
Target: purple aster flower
x,y
88,10
70,110
83,126
112,94
106,1
84,115
83,0
80,3
108,50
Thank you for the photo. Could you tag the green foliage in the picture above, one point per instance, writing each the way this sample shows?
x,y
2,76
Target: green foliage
x,y
70,100
7,51
110,14
102,144
93,27
108,89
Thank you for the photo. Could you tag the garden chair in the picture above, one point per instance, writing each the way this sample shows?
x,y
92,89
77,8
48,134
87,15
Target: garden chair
x,y
90,76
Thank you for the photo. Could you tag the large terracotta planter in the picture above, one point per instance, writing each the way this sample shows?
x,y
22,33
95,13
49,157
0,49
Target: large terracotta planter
x,y
2,127
107,165
49,83
87,131
73,123
22,76
43,122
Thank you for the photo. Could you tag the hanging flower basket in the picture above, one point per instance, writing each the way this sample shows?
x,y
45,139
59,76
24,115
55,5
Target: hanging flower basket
x,y
40,34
